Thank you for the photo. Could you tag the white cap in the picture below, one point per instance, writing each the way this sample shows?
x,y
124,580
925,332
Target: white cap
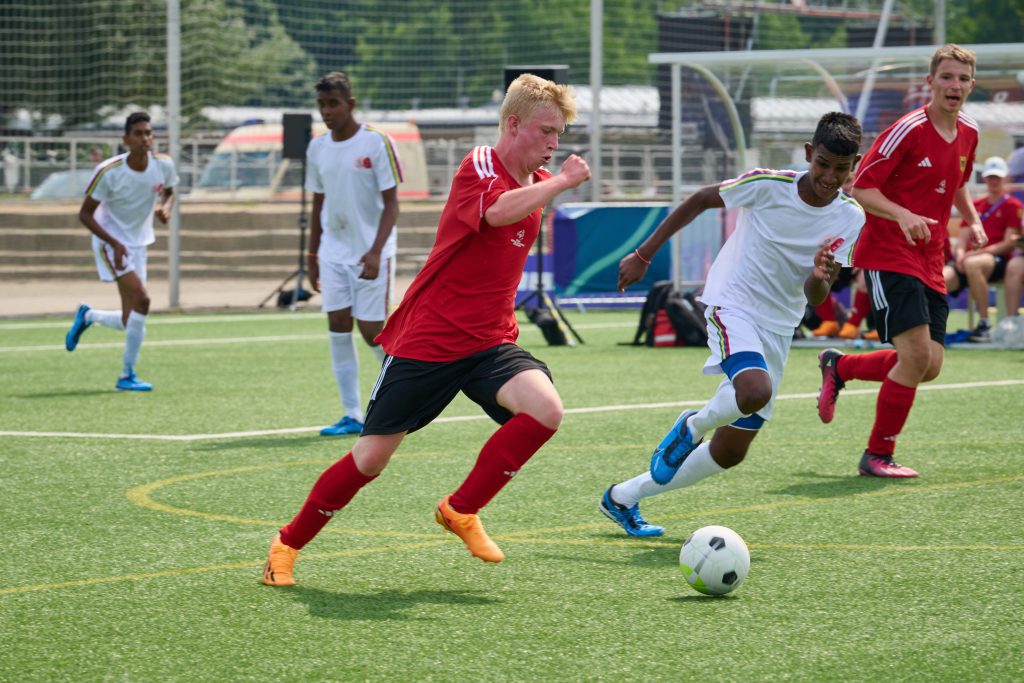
x,y
995,166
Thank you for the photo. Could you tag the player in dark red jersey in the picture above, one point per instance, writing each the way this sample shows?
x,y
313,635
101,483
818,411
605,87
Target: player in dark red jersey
x,y
973,269
455,330
908,182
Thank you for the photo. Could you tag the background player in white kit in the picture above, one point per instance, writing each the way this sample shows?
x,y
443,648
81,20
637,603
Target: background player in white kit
x,y
353,172
793,232
125,193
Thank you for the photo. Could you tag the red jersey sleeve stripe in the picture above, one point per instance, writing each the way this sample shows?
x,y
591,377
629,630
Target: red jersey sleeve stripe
x,y
900,131
482,162
967,121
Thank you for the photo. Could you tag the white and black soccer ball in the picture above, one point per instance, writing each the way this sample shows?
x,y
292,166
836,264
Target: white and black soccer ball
x,y
714,560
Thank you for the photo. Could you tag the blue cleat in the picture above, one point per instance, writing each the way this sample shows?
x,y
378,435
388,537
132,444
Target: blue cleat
x,y
345,425
673,449
77,328
132,383
628,518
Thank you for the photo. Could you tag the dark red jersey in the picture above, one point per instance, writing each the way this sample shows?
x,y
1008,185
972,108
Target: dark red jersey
x,y
914,167
463,299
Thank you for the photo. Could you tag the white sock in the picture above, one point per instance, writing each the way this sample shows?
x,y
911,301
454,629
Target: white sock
x,y
135,332
105,318
378,352
698,465
721,410
345,364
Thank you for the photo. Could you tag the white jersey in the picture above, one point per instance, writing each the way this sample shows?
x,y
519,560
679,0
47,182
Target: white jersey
x,y
351,175
762,267
127,197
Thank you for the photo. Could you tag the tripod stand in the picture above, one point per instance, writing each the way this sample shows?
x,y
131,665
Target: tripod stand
x,y
300,273
539,296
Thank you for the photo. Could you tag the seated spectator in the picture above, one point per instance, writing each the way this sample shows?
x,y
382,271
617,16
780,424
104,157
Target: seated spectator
x,y
1014,280
974,269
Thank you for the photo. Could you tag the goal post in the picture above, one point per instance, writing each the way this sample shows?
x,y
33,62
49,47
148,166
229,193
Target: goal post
x,y
784,92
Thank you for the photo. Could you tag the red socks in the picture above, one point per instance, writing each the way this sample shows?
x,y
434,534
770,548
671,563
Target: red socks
x,y
826,309
861,306
505,452
891,411
331,492
874,366
499,460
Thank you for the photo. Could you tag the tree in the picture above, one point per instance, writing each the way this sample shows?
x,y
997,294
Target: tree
x,y
82,61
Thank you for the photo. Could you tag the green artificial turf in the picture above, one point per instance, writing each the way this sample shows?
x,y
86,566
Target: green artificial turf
x,y
138,558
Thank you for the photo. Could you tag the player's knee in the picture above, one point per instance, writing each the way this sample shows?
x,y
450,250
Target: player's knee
x,y
752,400
727,454
932,371
142,304
753,390
549,412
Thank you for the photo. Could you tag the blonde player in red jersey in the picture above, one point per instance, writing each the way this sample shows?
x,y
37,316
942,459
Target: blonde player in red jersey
x,y
908,182
455,330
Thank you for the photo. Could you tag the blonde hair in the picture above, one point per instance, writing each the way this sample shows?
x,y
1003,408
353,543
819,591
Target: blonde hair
x,y
956,53
528,93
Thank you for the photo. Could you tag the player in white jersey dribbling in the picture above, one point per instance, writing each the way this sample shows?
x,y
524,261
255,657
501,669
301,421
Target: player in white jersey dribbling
x,y
125,193
353,172
794,232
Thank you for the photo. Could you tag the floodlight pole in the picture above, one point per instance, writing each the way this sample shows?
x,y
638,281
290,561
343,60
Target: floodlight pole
x,y
596,82
174,145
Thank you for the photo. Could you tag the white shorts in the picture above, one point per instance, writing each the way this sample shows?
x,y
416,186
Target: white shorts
x,y
341,288
105,263
731,332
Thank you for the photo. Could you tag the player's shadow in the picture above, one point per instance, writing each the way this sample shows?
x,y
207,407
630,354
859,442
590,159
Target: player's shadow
x,y
66,393
695,598
382,605
653,558
832,485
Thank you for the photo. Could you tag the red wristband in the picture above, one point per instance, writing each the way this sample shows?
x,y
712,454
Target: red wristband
x,y
641,257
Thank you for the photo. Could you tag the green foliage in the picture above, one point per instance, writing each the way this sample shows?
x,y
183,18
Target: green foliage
x,y
985,21
780,31
223,47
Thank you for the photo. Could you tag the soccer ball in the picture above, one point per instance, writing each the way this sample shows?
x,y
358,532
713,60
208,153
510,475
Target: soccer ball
x,y
714,560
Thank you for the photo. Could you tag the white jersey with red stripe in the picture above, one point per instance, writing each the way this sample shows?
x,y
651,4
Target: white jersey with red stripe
x,y
127,197
762,267
916,168
352,174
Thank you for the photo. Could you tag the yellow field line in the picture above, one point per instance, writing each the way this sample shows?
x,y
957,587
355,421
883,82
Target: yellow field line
x,y
100,580
140,496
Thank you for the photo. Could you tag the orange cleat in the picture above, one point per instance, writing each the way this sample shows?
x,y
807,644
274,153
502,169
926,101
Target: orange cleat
x,y
278,569
871,335
849,331
470,530
829,328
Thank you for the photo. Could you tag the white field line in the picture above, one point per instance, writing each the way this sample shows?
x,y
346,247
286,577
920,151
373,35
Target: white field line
x,y
212,341
174,320
467,418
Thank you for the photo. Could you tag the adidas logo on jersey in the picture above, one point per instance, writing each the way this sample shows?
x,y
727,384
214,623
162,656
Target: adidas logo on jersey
x,y
925,163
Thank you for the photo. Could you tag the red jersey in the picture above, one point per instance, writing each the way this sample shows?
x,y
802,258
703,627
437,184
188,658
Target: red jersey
x,y
463,299
998,217
914,167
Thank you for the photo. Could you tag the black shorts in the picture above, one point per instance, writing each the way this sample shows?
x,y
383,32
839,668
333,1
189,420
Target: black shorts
x,y
409,394
902,302
961,280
